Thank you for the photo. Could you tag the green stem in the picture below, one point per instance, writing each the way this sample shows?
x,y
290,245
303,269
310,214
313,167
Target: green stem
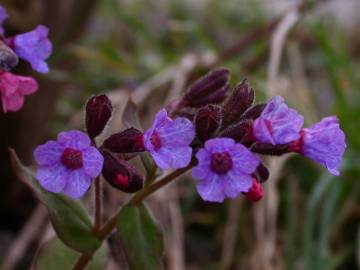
x,y
135,201
98,205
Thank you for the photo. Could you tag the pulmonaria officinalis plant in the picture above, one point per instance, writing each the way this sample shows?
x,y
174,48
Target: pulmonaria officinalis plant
x,y
33,47
213,130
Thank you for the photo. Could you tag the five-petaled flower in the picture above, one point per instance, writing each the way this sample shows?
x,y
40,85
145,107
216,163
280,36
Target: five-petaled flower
x,y
168,141
277,124
69,164
224,169
323,142
34,47
13,88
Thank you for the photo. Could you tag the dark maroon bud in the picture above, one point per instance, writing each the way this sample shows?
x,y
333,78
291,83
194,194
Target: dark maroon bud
x,y
98,113
256,192
212,88
240,132
269,149
261,173
120,174
127,141
207,121
186,112
8,58
238,102
254,112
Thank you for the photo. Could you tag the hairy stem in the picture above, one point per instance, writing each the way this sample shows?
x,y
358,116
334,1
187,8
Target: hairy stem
x,y
98,205
83,261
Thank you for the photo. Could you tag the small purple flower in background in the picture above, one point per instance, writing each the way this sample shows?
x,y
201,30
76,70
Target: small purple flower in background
x,y
323,142
69,164
277,123
3,17
224,169
34,47
13,88
168,141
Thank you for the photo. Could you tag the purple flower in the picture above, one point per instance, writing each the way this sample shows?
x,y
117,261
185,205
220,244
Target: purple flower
x,y
323,142
69,164
34,47
3,17
224,169
168,141
277,123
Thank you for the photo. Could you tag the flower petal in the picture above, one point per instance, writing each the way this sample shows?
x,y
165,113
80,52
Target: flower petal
x,y
93,161
74,139
244,161
48,153
179,132
77,184
210,189
172,157
202,170
219,145
236,183
53,178
13,102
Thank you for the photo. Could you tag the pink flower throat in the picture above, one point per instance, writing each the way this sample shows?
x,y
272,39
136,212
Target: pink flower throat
x,y
221,163
72,158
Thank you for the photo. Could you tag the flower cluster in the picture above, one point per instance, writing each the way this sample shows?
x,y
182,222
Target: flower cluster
x,y
214,129
33,47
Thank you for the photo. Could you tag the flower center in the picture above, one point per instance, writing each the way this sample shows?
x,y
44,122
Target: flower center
x,y
155,140
221,163
72,158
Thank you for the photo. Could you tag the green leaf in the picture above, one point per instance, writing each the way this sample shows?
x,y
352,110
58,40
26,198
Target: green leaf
x,y
142,238
54,255
68,217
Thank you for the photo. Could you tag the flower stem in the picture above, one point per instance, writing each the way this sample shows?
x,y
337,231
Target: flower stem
x,y
98,205
83,261
109,226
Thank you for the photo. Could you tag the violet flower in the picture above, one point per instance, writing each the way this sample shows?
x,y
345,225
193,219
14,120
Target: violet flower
x,y
13,88
323,142
3,17
277,123
168,141
224,169
69,164
34,47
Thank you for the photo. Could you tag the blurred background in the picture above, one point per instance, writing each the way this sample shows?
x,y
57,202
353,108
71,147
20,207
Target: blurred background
x,y
307,51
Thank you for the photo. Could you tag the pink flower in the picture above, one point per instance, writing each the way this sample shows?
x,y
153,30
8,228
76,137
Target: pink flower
x,y
13,88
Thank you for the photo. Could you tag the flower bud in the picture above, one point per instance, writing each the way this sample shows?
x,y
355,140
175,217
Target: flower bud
x,y
256,192
262,173
238,102
254,112
207,121
269,149
8,59
98,113
127,141
120,174
211,88
239,132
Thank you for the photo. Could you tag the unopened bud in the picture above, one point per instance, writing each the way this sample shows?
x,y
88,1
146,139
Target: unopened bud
x,y
207,121
127,141
239,132
8,58
238,102
269,149
121,175
210,89
256,192
261,173
98,113
254,112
